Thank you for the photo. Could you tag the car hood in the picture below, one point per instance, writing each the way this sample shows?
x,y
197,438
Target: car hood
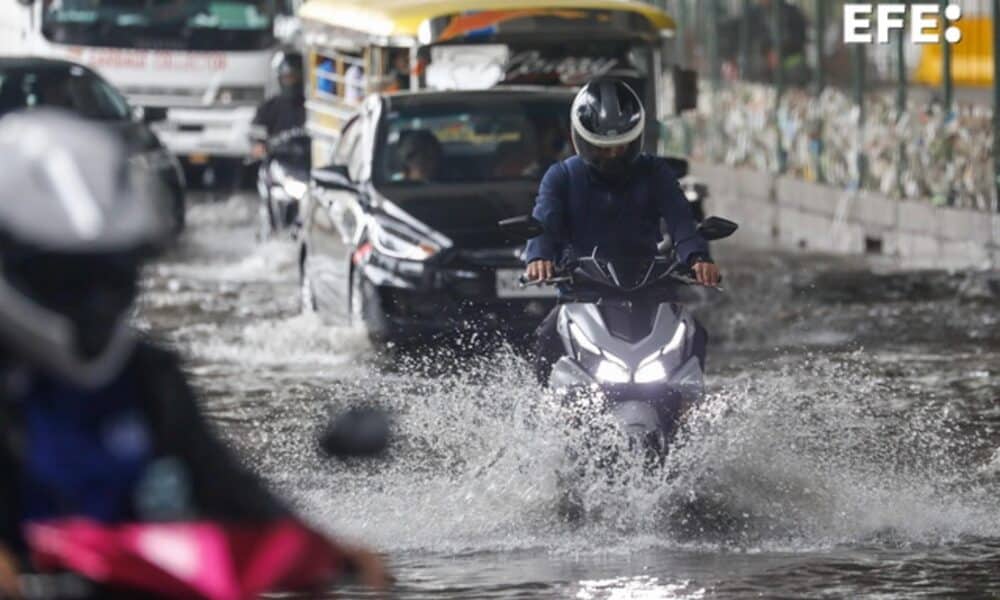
x,y
136,136
466,213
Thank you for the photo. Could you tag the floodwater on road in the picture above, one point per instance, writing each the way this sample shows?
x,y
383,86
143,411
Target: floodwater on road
x,y
849,445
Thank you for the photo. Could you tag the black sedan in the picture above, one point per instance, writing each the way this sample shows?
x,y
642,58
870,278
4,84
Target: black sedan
x,y
29,82
400,231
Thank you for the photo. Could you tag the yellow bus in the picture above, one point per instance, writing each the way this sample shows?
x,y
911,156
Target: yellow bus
x,y
357,47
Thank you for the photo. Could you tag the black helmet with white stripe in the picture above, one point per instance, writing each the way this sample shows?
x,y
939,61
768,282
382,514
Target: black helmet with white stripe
x,y
608,123
76,222
288,66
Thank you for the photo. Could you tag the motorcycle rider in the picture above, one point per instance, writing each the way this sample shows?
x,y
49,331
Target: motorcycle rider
x,y
95,422
285,111
611,196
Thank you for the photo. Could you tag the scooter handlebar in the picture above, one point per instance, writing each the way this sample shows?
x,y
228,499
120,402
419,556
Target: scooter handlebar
x,y
524,282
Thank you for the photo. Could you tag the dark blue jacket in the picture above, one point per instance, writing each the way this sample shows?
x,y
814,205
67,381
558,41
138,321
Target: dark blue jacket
x,y
581,211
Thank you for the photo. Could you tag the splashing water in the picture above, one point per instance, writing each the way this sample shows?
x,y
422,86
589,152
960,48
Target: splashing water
x,y
802,458
841,460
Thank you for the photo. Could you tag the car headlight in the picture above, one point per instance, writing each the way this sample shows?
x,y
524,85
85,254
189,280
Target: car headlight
x,y
395,243
652,369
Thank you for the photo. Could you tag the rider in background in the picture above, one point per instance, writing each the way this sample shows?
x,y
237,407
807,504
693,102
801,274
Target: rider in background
x,y
285,111
95,422
610,196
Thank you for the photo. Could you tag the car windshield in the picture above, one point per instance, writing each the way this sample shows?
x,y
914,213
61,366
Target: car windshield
x,y
161,24
72,88
473,142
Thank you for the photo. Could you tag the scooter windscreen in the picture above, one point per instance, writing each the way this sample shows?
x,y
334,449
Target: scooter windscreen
x,y
623,272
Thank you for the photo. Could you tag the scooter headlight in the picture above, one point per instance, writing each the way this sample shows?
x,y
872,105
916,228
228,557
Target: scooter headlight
x,y
295,188
652,369
651,372
609,371
580,339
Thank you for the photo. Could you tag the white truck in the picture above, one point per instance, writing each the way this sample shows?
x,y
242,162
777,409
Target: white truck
x,y
197,68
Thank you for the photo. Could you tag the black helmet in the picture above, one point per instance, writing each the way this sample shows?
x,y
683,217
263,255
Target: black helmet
x,y
76,222
608,125
288,67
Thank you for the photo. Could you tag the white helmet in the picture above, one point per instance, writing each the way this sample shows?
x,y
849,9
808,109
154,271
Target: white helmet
x,y
76,221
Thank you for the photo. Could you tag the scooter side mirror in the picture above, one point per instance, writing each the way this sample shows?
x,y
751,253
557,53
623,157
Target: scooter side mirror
x,y
523,227
333,177
716,228
685,90
358,433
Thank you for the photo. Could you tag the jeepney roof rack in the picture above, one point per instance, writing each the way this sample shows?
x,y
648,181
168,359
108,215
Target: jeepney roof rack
x,y
409,22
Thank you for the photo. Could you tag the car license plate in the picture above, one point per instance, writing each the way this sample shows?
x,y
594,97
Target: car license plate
x,y
508,286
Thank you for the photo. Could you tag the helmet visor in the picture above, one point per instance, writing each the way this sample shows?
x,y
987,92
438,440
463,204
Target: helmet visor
x,y
93,292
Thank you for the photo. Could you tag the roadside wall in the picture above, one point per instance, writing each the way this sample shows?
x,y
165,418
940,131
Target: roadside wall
x,y
790,213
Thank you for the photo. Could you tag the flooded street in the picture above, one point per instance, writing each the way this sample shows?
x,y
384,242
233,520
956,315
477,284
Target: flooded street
x,y
849,446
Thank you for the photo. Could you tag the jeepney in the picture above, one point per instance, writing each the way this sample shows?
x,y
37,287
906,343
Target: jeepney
x,y
358,47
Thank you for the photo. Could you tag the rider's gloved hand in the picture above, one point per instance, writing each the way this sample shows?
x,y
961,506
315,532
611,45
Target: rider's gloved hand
x,y
541,270
706,272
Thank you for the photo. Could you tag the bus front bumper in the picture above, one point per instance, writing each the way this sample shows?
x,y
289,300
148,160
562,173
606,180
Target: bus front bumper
x,y
198,134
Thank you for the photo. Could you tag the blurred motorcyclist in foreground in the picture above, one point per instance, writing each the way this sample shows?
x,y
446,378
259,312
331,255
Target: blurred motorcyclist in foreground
x,y
96,423
285,111
609,196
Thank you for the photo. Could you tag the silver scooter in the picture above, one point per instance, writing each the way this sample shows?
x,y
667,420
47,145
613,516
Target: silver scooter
x,y
627,334
283,182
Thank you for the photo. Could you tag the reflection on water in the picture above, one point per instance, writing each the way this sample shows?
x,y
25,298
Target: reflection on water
x,y
848,447
636,588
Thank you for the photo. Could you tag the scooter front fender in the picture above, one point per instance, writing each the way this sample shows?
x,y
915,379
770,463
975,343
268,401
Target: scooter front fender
x,y
636,417
567,374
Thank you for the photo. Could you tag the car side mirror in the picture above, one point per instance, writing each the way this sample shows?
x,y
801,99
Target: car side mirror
x,y
716,228
333,177
679,166
149,114
523,227
685,90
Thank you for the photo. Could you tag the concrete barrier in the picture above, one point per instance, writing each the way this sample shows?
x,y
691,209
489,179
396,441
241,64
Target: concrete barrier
x,y
791,213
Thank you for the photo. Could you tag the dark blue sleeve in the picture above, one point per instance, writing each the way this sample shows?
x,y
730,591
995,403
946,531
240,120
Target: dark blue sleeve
x,y
550,209
676,212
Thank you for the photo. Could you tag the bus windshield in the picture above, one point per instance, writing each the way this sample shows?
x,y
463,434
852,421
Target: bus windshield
x,y
162,24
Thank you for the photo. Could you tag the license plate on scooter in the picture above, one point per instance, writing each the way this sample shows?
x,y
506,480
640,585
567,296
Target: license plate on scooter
x,y
509,286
